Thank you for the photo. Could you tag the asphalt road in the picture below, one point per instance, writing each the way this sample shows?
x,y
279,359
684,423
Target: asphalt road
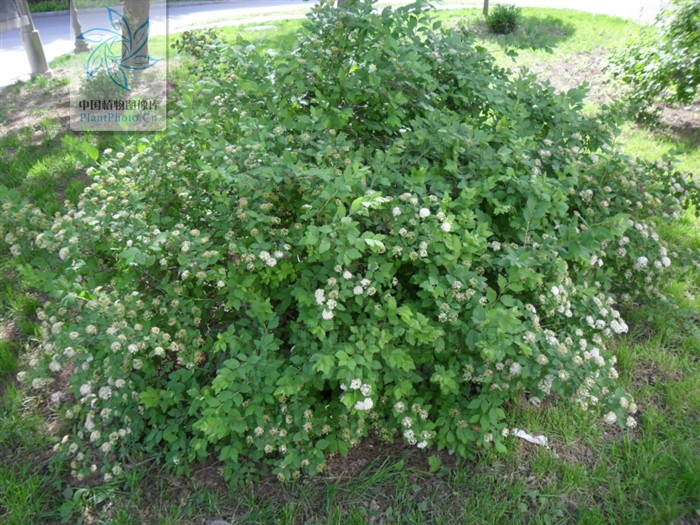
x,y
58,38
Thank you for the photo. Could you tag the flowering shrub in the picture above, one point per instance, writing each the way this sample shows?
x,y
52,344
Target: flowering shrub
x,y
377,230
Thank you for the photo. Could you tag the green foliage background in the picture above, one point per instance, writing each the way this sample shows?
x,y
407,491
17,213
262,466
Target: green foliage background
x,y
665,61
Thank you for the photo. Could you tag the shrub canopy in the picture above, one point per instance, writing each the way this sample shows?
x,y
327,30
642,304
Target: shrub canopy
x,y
664,62
376,230
503,19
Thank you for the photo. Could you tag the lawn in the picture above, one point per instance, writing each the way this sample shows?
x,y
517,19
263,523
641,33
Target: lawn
x,y
591,474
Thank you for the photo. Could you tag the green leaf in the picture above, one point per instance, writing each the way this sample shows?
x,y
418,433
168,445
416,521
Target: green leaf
x,y
150,397
324,246
435,463
356,205
375,244
324,364
502,283
91,150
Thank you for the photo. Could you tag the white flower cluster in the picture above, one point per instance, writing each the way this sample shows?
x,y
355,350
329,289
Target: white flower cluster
x,y
366,389
561,296
619,326
641,263
365,404
338,291
268,259
410,434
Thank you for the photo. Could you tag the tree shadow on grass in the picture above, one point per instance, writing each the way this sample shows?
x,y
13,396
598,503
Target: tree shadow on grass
x,y
681,124
677,125
41,157
533,32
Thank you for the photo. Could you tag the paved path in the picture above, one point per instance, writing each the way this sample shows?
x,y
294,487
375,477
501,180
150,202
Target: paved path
x,y
58,38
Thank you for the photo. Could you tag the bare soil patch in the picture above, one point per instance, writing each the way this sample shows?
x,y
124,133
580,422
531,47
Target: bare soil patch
x,y
8,331
586,66
26,105
680,123
649,372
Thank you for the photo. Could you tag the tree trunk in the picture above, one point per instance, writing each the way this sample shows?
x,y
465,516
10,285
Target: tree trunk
x,y
486,7
136,14
81,46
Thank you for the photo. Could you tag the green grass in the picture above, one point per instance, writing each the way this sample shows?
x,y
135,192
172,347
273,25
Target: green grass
x,y
44,6
27,487
37,162
48,5
157,48
280,33
548,34
591,475
656,143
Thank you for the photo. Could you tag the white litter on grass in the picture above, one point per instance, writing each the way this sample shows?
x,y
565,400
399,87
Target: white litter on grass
x,y
537,440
